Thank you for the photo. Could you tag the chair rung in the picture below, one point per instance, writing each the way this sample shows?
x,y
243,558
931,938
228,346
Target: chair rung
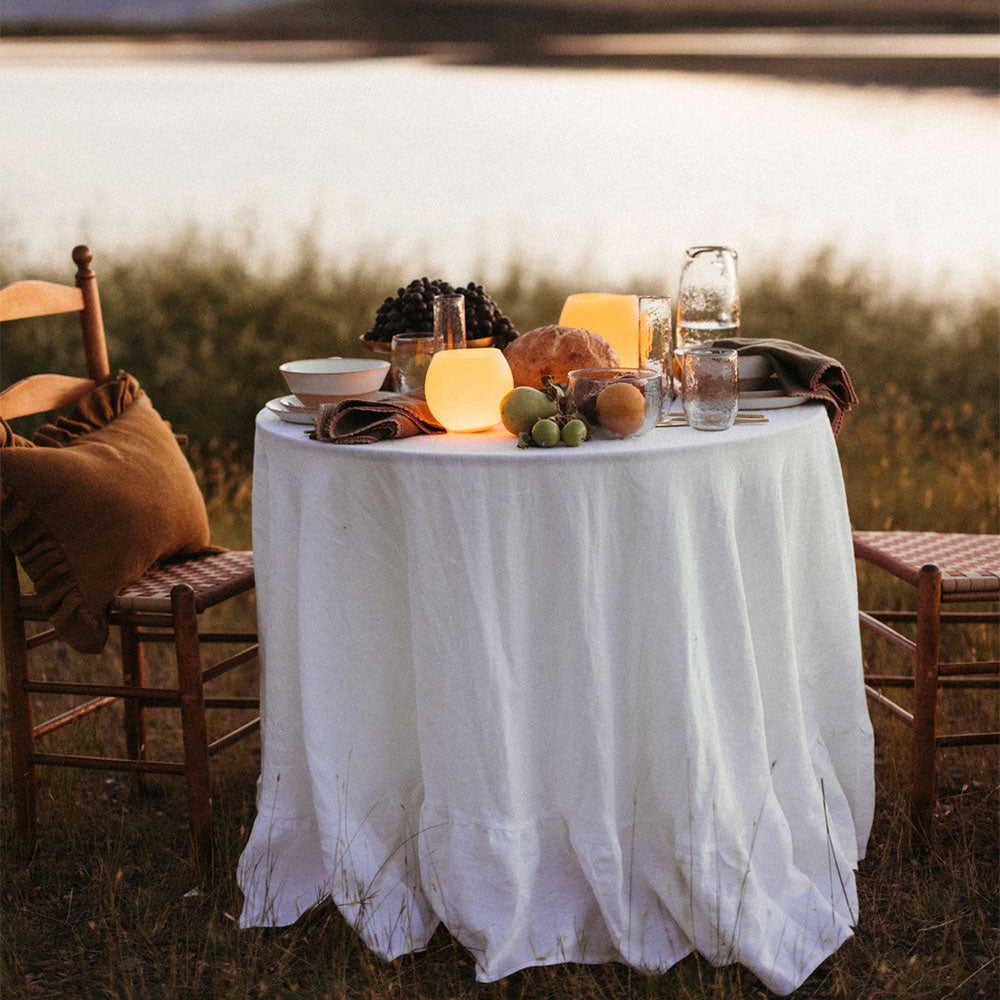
x,y
970,617
227,637
906,680
223,666
968,739
145,619
204,637
230,738
148,696
108,763
41,638
71,715
889,705
975,667
949,617
890,634
236,702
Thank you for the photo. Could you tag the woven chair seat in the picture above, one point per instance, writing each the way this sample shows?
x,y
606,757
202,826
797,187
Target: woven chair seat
x,y
213,578
968,563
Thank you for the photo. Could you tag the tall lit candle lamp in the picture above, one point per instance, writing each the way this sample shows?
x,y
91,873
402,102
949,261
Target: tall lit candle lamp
x,y
613,317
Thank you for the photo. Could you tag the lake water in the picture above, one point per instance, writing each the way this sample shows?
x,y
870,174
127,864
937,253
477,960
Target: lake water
x,y
454,171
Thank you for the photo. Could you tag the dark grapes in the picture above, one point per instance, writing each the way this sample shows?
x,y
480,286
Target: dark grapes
x,y
412,311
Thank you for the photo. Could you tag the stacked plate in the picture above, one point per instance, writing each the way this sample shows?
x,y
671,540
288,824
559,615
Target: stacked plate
x,y
291,410
754,373
769,399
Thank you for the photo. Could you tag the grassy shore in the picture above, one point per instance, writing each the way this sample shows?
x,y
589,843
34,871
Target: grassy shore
x,y
499,33
108,905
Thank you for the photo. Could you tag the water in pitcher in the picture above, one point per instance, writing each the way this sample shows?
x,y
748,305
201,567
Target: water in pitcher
x,y
696,333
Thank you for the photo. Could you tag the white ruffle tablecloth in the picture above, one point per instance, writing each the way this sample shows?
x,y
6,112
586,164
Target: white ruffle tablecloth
x,y
580,705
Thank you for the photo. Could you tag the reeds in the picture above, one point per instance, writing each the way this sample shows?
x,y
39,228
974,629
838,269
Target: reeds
x,y
108,905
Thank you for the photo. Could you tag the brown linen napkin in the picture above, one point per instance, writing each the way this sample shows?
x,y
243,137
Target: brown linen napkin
x,y
802,371
383,416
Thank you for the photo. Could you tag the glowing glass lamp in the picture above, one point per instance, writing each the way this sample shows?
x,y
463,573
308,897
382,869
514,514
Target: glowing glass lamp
x,y
613,317
464,388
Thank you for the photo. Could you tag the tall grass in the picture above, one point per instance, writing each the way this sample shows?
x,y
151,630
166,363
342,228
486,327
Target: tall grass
x,y
204,327
108,904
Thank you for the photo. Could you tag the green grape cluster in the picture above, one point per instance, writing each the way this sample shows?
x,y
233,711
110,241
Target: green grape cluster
x,y
565,426
411,310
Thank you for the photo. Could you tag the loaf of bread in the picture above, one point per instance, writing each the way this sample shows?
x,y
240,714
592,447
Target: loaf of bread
x,y
556,351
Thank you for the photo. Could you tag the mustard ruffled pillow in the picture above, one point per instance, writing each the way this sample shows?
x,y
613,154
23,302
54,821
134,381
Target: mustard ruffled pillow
x,y
93,501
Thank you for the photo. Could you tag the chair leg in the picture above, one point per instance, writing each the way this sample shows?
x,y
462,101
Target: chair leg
x,y
21,721
925,686
195,731
133,675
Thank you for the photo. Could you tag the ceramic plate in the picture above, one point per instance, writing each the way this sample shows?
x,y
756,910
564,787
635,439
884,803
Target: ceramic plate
x,y
769,399
289,409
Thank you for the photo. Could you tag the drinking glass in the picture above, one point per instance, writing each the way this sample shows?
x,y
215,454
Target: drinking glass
x,y
656,351
411,355
708,299
709,387
449,322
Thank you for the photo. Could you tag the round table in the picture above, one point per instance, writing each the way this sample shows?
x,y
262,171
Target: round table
x,y
581,705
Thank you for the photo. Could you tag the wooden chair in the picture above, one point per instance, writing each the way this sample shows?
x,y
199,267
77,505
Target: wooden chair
x,y
162,607
944,569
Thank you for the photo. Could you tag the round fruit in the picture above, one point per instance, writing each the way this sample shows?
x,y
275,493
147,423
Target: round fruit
x,y
524,406
621,408
545,433
574,432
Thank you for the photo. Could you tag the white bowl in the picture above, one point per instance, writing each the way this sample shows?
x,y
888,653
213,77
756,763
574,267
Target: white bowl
x,y
754,371
328,380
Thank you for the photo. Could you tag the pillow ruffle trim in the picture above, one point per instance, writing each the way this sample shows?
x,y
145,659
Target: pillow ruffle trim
x,y
94,411
48,568
9,439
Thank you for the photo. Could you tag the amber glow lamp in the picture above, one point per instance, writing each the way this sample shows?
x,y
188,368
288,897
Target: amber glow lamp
x,y
613,317
464,388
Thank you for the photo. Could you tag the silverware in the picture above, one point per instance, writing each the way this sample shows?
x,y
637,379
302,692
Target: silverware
x,y
679,420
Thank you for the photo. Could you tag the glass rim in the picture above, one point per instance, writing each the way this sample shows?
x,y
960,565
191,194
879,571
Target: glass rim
x,y
694,251
710,350
607,373
646,301
416,335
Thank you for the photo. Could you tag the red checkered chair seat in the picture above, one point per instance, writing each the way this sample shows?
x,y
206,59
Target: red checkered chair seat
x,y
967,562
214,577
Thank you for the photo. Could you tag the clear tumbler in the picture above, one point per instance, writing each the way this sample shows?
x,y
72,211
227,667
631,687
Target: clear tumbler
x,y
656,349
710,387
449,322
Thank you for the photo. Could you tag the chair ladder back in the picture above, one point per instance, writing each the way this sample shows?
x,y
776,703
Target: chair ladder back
x,y
91,318
30,299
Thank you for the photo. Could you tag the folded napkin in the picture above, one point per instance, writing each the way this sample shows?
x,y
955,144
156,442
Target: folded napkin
x,y
381,417
802,371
